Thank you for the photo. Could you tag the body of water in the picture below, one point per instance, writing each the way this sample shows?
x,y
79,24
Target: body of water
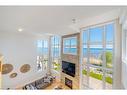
x,y
93,51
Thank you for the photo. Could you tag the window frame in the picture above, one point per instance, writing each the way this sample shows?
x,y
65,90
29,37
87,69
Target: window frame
x,y
41,55
53,57
88,43
70,46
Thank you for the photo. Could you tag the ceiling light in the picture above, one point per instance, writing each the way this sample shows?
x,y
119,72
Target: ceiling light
x,y
20,29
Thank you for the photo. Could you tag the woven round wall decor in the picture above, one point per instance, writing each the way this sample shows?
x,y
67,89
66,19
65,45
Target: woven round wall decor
x,y
13,75
7,68
25,68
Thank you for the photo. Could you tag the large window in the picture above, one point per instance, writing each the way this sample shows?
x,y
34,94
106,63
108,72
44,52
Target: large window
x,y
55,51
42,57
70,45
97,56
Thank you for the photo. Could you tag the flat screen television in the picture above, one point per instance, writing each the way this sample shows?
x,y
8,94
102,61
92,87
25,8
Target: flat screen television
x,y
68,68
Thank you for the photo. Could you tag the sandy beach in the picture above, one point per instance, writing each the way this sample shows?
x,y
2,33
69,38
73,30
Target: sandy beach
x,y
92,61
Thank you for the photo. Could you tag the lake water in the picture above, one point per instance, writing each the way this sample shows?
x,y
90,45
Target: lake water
x,y
93,51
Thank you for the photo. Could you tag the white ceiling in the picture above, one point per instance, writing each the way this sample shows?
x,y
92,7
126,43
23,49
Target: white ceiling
x,y
46,19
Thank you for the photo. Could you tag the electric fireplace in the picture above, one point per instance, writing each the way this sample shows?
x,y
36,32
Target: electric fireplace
x,y
68,82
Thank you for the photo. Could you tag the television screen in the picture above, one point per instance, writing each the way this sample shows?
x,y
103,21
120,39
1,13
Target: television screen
x,y
68,68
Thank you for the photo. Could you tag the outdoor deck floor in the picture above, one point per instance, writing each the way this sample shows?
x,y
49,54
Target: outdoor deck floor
x,y
95,83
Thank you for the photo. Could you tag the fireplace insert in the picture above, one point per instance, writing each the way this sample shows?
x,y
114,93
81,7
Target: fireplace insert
x,y
68,82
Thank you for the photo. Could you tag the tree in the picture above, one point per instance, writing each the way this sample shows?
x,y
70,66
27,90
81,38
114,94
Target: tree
x,y
109,57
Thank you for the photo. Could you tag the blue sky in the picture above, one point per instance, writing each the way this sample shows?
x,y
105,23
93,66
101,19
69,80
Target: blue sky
x,y
96,35
110,32
42,43
73,41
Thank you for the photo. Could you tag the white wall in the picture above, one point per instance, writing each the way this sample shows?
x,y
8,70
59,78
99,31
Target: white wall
x,y
123,21
18,49
117,57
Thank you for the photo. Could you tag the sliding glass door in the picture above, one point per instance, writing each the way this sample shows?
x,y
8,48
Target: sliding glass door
x,y
97,56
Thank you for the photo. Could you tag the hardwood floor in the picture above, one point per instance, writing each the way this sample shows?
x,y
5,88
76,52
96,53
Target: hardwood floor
x,y
56,84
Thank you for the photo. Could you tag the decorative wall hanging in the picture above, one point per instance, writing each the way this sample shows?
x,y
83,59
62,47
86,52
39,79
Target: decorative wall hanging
x,y
13,75
25,68
7,68
0,66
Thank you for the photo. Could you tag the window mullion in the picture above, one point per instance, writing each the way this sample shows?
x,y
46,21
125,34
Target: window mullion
x,y
53,51
88,52
104,57
42,56
70,46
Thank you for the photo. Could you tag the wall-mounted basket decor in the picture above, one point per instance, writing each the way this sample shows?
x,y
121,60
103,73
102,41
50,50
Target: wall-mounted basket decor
x,y
13,75
7,68
0,66
25,68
